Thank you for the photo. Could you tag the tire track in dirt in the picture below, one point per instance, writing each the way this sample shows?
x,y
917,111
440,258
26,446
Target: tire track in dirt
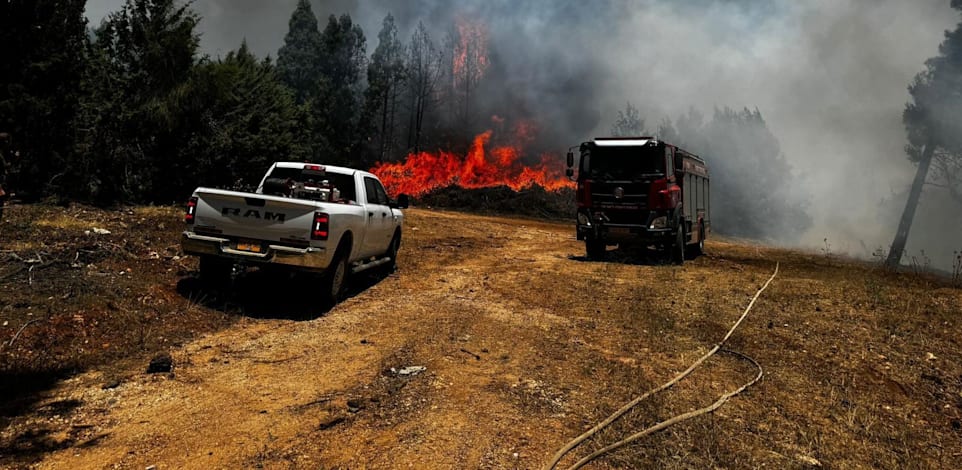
x,y
277,391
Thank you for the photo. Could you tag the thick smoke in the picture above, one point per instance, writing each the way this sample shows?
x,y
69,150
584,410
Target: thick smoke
x,y
829,76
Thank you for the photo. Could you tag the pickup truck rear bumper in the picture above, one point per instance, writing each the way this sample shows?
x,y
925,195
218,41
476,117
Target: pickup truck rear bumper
x,y
310,258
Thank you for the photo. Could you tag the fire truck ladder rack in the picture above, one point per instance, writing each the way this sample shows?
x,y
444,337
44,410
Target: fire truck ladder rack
x,y
676,419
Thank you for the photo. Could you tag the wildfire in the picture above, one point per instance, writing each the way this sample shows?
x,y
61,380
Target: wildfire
x,y
470,53
482,167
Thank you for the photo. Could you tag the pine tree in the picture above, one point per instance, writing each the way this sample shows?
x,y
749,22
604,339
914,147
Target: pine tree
x,y
424,73
739,147
243,120
629,123
933,120
299,59
42,48
141,62
336,110
385,75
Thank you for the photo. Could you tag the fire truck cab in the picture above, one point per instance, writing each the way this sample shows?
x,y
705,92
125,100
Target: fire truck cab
x,y
641,191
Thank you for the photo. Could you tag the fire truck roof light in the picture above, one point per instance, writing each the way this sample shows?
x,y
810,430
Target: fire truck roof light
x,y
622,142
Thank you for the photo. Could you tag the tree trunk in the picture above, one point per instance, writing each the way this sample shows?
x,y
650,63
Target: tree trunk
x,y
384,112
898,245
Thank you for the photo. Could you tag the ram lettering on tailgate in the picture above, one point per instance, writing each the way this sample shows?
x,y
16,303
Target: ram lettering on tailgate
x,y
253,214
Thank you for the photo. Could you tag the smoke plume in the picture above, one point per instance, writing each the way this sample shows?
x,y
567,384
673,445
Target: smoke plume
x,y
829,77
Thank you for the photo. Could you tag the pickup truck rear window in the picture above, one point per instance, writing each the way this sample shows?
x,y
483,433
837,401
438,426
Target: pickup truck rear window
x,y
344,183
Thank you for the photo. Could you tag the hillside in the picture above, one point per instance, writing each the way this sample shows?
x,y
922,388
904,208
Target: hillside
x,y
523,342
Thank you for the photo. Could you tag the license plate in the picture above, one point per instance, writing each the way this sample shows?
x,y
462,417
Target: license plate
x,y
249,245
621,230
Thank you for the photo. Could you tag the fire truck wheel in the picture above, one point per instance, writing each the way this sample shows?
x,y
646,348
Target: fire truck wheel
x,y
595,248
678,248
699,248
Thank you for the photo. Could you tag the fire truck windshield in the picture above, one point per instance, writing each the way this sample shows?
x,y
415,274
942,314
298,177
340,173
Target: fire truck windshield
x,y
623,163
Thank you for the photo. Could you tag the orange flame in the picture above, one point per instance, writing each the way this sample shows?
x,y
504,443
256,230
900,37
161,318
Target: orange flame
x,y
470,53
424,172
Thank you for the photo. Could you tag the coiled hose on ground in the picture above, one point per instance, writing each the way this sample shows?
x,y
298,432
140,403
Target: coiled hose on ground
x,y
674,420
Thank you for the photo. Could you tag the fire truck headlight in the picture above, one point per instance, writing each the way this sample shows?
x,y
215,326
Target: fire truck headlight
x,y
583,219
659,223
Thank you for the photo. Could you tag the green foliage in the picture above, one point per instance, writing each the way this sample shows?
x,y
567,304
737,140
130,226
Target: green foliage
x,y
42,45
299,59
243,119
934,116
161,122
385,77
139,68
336,108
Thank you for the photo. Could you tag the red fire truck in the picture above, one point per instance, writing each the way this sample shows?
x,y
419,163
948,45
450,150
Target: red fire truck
x,y
641,191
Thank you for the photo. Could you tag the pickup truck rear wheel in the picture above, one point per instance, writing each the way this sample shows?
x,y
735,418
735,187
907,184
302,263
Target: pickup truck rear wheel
x,y
335,278
215,271
595,248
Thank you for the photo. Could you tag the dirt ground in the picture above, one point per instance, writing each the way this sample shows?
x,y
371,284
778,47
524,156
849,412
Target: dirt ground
x,y
524,344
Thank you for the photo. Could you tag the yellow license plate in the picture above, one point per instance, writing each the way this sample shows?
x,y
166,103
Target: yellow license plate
x,y
246,245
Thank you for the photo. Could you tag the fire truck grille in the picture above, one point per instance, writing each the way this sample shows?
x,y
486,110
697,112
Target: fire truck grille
x,y
627,217
628,196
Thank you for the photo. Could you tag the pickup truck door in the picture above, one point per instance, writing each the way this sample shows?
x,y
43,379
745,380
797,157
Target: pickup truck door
x,y
380,220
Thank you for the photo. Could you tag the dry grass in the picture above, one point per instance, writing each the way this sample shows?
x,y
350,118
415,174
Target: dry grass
x,y
527,345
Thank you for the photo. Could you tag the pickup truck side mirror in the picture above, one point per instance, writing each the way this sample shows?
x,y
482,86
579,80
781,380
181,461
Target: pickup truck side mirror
x,y
570,160
403,201
570,173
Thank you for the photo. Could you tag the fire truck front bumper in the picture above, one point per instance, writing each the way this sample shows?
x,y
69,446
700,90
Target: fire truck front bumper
x,y
655,230
622,233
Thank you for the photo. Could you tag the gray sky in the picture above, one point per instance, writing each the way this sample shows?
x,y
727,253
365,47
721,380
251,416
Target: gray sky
x,y
829,76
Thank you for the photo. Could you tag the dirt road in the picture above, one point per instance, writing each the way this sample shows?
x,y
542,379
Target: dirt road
x,y
524,344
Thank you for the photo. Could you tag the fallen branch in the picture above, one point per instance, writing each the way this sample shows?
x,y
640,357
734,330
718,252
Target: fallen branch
x,y
12,274
618,414
25,325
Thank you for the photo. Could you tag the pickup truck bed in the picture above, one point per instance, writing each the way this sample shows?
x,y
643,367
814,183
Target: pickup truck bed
x,y
347,220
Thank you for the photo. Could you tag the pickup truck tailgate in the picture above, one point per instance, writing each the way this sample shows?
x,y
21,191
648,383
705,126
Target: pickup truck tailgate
x,y
254,216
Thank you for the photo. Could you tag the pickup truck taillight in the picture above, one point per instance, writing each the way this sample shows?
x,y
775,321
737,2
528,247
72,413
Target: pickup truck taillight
x,y
321,227
583,194
191,211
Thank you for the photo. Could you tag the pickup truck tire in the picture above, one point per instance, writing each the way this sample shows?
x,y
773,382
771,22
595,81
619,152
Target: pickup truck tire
x,y
392,251
595,248
335,277
215,271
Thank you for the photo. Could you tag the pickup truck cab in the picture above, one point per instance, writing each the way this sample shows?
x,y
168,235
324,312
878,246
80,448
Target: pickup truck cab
x,y
303,216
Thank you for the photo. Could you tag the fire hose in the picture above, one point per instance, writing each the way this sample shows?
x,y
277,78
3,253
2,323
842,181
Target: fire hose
x,y
674,420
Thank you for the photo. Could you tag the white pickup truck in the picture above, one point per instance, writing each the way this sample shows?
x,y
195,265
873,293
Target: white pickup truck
x,y
303,216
